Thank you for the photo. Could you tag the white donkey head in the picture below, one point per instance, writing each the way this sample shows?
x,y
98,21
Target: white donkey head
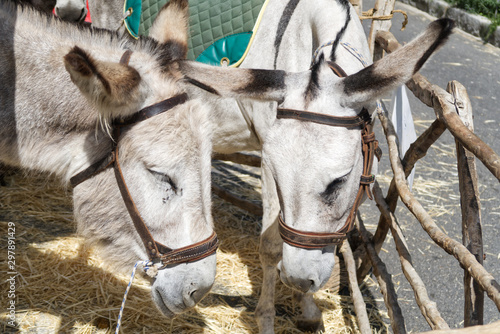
x,y
316,167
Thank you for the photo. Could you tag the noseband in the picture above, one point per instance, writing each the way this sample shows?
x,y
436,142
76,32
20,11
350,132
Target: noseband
x,y
158,253
316,240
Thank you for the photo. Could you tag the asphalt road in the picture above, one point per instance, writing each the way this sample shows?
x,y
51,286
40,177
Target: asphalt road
x,y
477,66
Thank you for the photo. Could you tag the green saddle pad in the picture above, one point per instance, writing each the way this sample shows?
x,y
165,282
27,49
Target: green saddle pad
x,y
218,28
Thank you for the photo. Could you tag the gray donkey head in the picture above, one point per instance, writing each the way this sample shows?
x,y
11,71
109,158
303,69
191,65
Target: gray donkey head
x,y
60,82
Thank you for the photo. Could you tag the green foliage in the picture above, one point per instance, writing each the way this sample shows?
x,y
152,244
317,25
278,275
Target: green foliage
x,y
486,8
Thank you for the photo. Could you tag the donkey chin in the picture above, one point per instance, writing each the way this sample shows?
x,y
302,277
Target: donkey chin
x,y
180,287
306,270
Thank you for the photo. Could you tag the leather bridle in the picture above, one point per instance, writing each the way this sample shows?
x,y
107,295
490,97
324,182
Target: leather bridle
x,y
158,254
317,240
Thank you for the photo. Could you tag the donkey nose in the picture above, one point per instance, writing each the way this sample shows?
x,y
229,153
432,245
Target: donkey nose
x,y
195,293
71,13
303,284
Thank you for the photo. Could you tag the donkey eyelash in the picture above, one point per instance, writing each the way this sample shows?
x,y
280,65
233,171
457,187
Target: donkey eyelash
x,y
332,188
164,179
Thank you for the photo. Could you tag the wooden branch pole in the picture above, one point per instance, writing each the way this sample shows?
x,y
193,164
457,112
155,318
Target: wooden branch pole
x,y
385,282
358,6
427,307
452,247
357,297
471,208
415,152
438,99
492,328
382,8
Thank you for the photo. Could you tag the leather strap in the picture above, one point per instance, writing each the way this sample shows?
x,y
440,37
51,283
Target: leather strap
x,y
156,251
316,240
308,240
353,122
152,110
139,116
339,71
92,170
126,57
190,253
139,224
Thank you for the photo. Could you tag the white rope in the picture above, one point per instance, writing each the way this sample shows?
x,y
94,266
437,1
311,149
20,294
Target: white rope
x,y
145,264
352,50
315,54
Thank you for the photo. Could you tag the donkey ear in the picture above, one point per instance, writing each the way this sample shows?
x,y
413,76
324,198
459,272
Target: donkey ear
x,y
266,85
396,68
171,27
111,87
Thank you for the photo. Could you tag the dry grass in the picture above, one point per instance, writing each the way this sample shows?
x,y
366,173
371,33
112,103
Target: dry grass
x,y
64,287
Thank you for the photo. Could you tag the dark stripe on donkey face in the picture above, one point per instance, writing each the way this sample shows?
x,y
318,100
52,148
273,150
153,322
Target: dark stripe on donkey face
x,y
313,85
341,33
283,24
446,26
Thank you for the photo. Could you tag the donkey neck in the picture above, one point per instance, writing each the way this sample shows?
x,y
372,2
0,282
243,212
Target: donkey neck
x,y
287,42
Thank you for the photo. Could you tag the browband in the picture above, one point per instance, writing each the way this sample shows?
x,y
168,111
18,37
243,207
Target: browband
x,y
349,122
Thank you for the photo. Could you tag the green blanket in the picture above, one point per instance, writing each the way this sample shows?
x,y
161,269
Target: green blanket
x,y
219,29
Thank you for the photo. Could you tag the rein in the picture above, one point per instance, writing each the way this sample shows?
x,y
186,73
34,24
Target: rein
x,y
317,240
159,255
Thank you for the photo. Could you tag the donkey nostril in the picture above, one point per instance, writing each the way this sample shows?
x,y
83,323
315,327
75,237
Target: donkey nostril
x,y
195,295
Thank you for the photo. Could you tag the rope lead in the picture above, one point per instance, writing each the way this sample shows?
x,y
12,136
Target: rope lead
x,y
145,264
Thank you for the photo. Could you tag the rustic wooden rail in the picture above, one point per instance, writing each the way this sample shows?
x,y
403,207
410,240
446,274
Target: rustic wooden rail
x,y
448,106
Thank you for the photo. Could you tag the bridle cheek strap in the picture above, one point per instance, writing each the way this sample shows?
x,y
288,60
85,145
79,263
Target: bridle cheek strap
x,y
369,146
158,253
317,240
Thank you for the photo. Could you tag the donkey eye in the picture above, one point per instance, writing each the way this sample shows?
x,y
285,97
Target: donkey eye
x,y
164,179
332,189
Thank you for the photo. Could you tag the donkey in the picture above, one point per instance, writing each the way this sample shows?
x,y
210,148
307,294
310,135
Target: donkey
x,y
315,171
96,78
310,171
68,10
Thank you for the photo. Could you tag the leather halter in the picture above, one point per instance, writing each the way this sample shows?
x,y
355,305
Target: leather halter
x,y
157,252
317,240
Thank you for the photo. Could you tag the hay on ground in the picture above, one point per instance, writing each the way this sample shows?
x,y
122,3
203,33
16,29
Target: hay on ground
x,y
63,287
